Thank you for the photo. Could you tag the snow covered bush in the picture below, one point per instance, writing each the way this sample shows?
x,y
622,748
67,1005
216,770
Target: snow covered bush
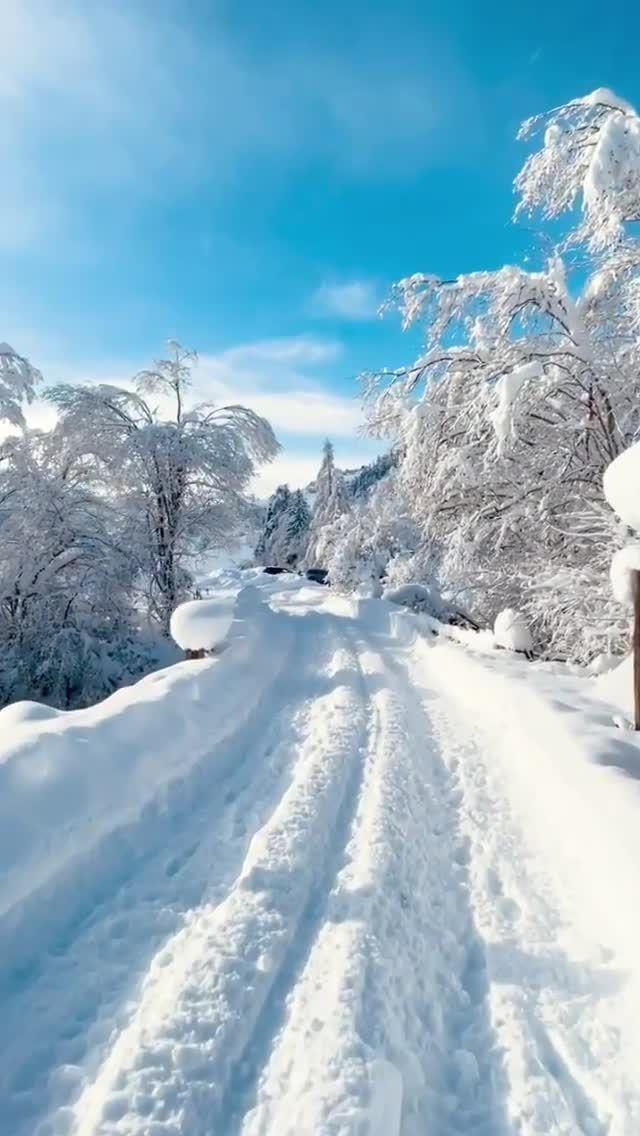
x,y
511,632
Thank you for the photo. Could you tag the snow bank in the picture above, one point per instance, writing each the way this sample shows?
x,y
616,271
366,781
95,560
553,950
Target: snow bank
x,y
625,562
200,624
511,631
562,759
69,780
622,486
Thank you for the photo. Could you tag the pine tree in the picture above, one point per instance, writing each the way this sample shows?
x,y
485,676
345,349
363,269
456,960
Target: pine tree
x,y
332,500
279,502
298,522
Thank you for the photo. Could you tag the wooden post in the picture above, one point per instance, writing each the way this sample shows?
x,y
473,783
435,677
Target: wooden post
x,y
635,588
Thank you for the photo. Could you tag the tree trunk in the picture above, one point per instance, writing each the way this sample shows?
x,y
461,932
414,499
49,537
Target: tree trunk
x,y
636,649
194,654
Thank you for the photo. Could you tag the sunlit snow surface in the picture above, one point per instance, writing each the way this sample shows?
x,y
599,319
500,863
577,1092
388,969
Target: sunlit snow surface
x,y
349,877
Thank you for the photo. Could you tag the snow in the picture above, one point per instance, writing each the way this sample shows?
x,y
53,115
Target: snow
x,y
605,96
622,486
616,686
415,596
511,631
345,878
625,562
508,388
68,780
201,624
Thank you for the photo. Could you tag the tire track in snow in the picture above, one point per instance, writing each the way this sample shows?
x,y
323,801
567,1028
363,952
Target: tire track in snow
x,y
383,1031
84,988
169,1069
243,1086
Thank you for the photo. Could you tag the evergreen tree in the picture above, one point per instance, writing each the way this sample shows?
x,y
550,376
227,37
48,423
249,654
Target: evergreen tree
x,y
266,551
298,522
332,500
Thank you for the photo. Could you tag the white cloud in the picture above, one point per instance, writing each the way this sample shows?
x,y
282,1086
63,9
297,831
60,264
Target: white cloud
x,y
298,467
297,470
278,379
350,300
303,350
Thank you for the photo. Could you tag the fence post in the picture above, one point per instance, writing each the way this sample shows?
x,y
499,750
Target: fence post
x,y
635,588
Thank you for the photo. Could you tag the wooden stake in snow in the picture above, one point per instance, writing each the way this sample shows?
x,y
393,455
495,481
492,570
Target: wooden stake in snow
x,y
635,585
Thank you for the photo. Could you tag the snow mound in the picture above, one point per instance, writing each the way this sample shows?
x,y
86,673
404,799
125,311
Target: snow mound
x,y
199,624
511,631
602,664
23,713
625,562
622,486
415,596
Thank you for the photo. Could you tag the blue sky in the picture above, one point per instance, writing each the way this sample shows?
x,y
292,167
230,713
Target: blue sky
x,y
249,178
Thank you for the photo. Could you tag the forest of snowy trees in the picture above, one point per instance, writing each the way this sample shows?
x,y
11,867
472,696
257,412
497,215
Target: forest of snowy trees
x,y
490,492
102,516
528,386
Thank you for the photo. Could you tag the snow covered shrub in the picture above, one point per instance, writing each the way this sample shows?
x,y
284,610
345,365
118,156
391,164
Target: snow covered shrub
x,y
510,631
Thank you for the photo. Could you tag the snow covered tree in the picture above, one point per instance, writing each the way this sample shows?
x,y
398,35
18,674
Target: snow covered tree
x,y
67,625
362,545
331,501
269,549
298,521
18,380
590,156
524,393
371,474
180,474
284,535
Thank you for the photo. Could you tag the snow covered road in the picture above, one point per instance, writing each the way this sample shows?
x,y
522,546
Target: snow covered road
x,y
363,898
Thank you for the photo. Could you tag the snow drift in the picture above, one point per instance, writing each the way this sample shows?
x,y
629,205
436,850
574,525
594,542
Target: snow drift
x,y
68,780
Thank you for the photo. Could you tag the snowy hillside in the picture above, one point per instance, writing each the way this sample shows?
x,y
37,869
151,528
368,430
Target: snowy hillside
x,y
345,877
